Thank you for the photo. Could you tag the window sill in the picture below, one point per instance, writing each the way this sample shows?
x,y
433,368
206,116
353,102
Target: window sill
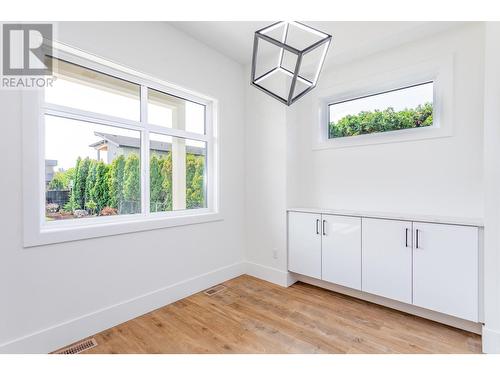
x,y
407,135
51,233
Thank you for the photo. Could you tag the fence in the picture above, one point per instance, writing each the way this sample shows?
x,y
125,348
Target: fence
x,y
60,197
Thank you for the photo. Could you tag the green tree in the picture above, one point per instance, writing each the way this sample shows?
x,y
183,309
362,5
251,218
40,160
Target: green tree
x,y
91,206
71,205
78,192
158,193
132,182
100,191
62,180
195,191
58,182
166,171
89,187
115,181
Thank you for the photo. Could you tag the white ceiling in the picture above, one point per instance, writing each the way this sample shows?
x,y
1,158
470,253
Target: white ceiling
x,y
350,39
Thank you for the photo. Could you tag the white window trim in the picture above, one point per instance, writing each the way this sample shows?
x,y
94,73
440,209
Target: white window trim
x,y
438,70
39,232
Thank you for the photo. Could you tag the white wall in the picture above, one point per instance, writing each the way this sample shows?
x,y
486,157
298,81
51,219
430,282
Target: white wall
x,y
491,331
435,177
454,176
52,295
265,142
430,177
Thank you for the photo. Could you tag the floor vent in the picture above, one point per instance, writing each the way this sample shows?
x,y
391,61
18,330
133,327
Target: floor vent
x,y
214,290
78,347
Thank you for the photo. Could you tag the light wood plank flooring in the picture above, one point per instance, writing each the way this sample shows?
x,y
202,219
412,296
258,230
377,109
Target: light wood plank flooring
x,y
254,316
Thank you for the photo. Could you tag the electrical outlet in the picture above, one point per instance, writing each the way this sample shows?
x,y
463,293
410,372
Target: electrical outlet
x,y
275,254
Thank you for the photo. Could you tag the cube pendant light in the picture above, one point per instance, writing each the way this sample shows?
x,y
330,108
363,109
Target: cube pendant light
x,y
287,59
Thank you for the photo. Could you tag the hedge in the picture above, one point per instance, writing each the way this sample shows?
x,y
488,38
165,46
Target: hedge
x,y
96,186
381,121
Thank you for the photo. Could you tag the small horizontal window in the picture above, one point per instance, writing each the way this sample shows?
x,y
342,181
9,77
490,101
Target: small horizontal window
x,y
404,108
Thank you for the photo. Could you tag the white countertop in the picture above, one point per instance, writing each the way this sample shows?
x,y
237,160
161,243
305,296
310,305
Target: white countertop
x,y
476,222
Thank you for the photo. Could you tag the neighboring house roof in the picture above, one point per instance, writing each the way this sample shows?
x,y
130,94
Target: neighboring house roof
x,y
131,142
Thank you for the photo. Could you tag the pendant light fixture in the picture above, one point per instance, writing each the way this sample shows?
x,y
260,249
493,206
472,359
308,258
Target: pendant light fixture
x,y
287,59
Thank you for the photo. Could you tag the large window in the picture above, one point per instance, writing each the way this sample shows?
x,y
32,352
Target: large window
x,y
115,146
399,109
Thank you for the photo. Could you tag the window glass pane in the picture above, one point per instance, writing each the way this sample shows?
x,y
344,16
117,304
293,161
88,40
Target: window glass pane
x,y
160,173
177,173
406,108
173,112
89,90
90,170
196,157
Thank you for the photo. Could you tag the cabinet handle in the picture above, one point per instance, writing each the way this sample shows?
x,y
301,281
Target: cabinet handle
x,y
317,226
324,230
417,238
406,233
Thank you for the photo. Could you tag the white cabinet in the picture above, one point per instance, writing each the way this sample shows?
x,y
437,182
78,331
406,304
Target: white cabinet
x,y
445,269
341,250
432,266
387,259
304,243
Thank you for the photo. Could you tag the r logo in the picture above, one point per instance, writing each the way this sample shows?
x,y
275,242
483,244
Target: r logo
x,y
24,49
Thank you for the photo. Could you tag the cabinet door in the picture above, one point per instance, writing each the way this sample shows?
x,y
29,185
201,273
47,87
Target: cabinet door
x,y
445,269
304,243
387,258
341,250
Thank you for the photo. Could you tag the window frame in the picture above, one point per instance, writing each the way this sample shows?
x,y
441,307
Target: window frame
x,y
37,231
438,70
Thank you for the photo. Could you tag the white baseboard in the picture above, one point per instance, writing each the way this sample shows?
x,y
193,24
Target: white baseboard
x,y
491,341
273,275
55,337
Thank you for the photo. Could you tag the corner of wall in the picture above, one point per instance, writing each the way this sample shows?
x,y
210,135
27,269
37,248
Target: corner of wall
x,y
270,274
265,169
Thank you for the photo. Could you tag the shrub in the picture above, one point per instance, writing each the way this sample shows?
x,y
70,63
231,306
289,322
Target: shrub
x,y
99,187
195,190
80,213
62,180
78,192
132,181
51,208
99,191
166,171
90,182
159,193
68,207
91,206
109,211
116,178
57,182
381,121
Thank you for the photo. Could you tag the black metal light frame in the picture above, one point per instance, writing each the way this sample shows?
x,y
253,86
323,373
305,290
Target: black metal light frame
x,y
299,53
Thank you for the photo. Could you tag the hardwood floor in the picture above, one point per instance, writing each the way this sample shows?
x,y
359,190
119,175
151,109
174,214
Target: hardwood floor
x,y
254,316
